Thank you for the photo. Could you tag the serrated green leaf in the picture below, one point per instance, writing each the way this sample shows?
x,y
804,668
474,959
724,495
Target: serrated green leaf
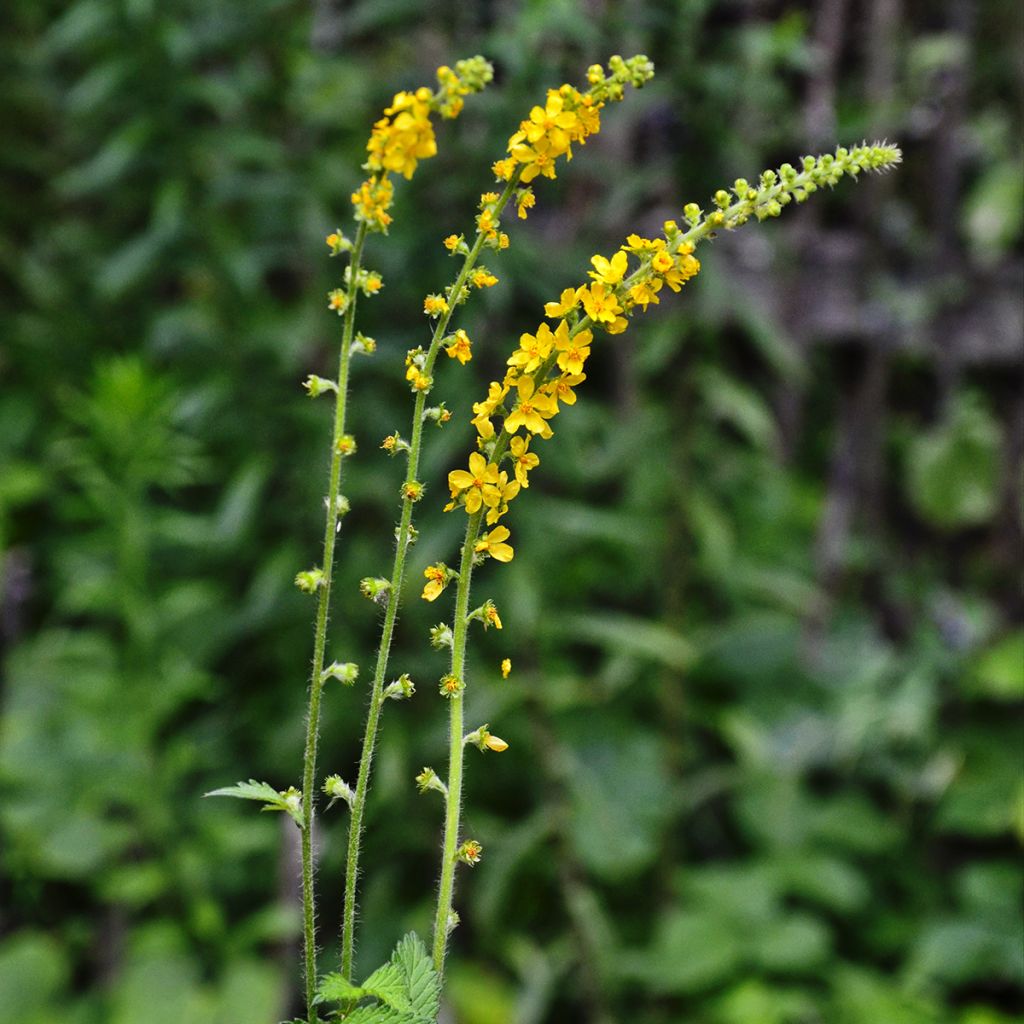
x,y
378,1014
388,984
423,984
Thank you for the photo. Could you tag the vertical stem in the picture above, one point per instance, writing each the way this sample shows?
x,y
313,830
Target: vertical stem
x,y
394,594
320,635
453,799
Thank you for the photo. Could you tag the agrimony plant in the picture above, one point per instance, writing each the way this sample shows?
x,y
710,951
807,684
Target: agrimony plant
x,y
511,420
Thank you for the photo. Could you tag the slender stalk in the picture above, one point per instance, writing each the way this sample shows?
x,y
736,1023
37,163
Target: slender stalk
x,y
453,798
394,594
320,634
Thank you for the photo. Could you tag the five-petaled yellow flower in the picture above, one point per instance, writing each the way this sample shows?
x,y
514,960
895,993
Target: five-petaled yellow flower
x,y
572,351
533,409
481,475
460,347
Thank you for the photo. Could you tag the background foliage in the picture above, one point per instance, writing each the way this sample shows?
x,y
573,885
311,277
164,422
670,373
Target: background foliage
x,y
766,617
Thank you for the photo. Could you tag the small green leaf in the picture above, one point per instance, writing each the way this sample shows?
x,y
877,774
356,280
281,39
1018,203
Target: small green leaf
x,y
288,800
336,988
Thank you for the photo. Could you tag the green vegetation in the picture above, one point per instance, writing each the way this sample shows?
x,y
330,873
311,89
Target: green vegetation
x,y
765,712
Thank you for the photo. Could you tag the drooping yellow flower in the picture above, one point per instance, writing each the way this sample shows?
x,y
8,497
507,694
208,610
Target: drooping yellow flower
x,y
481,475
564,387
572,350
493,544
437,580
523,459
506,667
483,278
460,347
524,202
533,409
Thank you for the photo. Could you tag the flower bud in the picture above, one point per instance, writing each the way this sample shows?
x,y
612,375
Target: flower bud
x,y
441,636
310,580
375,588
316,386
427,779
346,672
401,689
337,789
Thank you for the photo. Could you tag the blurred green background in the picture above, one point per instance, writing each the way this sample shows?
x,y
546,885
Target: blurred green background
x,y
765,614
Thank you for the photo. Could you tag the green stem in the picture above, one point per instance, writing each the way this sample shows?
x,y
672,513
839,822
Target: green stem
x,y
453,798
387,629
320,635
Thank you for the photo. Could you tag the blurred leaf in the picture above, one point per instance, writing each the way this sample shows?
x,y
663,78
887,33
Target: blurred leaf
x,y
620,795
953,471
999,671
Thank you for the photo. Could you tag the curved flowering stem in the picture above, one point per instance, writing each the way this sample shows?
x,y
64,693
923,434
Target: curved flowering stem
x,y
568,116
607,302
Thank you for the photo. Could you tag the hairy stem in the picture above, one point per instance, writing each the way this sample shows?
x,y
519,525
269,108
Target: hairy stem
x,y
320,635
394,593
453,798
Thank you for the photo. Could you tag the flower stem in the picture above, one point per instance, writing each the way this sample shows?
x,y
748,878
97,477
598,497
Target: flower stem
x,y
453,798
394,594
320,635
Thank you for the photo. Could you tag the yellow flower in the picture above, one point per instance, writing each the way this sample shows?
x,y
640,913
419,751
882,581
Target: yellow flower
x,y
506,667
460,347
491,616
568,300
572,351
564,387
533,349
523,459
495,743
533,408
643,246
611,271
526,201
481,475
483,278
601,304
498,496
333,240
503,241
487,198
494,544
337,300
538,158
686,266
451,243
662,263
503,169
551,122
645,292
404,136
437,580
372,200
434,305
